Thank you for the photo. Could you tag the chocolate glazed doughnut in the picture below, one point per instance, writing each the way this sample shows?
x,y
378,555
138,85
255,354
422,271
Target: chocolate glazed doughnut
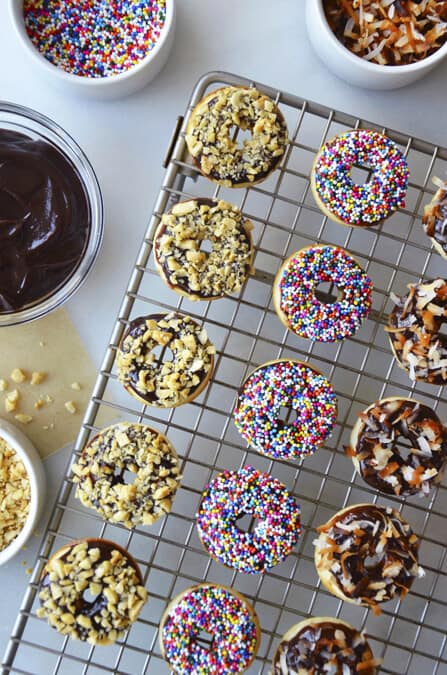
x,y
196,273
107,575
413,329
210,132
376,441
435,218
322,645
160,381
367,554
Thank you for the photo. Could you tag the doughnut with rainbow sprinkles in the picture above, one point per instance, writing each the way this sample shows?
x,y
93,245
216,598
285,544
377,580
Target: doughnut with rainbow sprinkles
x,y
235,494
292,385
230,621
296,302
347,202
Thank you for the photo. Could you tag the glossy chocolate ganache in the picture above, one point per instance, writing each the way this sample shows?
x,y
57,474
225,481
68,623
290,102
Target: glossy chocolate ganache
x,y
45,220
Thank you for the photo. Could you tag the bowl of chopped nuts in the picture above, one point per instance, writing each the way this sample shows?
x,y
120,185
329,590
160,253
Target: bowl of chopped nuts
x,y
378,44
22,488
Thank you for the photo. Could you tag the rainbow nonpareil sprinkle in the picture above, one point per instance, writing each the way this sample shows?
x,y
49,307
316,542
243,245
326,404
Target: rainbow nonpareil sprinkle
x,y
304,314
223,614
286,384
230,496
94,38
373,201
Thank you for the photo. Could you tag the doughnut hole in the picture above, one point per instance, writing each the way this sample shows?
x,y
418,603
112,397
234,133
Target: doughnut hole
x,y
361,174
287,415
240,136
328,293
162,354
247,522
205,639
206,246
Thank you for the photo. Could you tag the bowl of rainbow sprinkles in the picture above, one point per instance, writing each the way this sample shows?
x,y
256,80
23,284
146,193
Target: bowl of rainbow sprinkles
x,y
101,48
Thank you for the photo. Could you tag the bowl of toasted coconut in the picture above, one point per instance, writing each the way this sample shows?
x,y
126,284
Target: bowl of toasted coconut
x,y
378,44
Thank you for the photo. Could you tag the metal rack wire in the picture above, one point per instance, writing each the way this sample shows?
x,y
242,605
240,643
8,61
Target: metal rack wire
x,y
410,636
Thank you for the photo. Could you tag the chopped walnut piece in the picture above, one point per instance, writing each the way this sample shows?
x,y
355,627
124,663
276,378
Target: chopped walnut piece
x,y
38,377
15,494
18,376
70,406
3,384
39,404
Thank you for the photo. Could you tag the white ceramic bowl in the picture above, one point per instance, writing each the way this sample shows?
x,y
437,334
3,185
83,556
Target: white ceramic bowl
x,y
17,440
114,86
354,69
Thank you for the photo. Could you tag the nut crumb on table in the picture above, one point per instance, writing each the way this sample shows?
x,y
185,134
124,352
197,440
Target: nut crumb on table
x,y
18,375
70,406
38,377
23,419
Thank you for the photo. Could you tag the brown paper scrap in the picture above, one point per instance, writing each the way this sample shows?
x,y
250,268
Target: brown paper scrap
x,y
50,345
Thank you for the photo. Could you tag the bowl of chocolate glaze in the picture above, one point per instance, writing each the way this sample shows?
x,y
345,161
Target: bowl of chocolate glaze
x,y
51,215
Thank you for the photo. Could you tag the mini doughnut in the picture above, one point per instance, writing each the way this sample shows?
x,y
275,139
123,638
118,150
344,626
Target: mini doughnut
x,y
375,451
414,331
223,613
195,273
158,382
323,645
285,384
367,554
343,200
302,312
234,494
104,571
100,474
435,218
210,132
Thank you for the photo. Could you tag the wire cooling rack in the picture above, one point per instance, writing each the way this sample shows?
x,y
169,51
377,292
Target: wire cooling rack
x,y
409,636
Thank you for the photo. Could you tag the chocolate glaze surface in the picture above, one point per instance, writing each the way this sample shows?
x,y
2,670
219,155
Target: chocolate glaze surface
x,y
378,448
45,220
376,533
319,644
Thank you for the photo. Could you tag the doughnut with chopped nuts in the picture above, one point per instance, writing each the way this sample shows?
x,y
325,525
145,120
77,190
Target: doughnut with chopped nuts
x,y
107,575
414,330
196,273
435,218
119,450
376,446
221,612
159,381
323,645
367,554
210,132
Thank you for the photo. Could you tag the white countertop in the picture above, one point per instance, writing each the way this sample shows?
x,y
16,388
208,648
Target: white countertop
x,y
126,141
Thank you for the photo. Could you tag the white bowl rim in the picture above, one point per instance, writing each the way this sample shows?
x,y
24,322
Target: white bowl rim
x,y
21,444
360,62
82,80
